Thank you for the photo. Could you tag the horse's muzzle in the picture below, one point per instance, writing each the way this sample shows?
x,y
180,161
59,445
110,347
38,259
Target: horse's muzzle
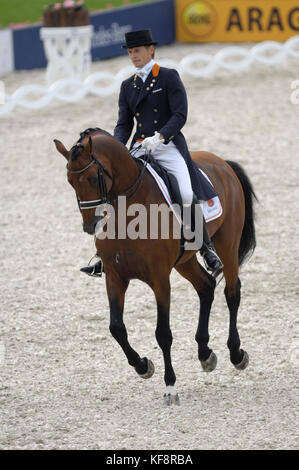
x,y
90,226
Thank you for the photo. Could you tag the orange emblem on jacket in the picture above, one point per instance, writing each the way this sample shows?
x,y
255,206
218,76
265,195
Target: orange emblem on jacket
x,y
155,70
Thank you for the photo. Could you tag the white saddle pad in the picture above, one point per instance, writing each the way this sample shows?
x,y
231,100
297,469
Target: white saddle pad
x,y
211,209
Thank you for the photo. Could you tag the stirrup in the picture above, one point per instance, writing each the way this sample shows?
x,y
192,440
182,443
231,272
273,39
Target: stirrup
x,y
97,274
93,272
214,272
210,249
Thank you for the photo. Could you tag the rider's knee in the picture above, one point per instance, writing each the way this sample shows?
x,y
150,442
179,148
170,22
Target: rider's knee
x,y
187,196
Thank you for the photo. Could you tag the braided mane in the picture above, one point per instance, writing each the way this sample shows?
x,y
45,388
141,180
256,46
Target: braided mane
x,y
90,130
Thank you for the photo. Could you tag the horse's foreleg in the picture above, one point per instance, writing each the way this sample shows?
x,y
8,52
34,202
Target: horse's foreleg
x,y
238,357
116,289
164,339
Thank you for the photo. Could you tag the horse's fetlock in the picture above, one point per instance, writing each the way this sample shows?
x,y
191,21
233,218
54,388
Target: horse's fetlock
x,y
233,345
142,367
170,378
202,339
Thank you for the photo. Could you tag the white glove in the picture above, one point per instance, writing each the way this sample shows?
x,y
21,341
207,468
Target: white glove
x,y
151,143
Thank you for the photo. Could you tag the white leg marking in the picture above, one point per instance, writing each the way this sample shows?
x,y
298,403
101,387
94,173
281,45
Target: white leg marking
x,y
170,390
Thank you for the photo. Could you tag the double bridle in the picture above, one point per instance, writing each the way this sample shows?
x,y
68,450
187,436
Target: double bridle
x,y
104,199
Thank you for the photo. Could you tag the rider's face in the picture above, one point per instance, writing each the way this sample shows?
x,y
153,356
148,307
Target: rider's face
x,y
141,55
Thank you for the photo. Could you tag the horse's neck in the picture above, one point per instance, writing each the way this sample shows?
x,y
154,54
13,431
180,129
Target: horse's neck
x,y
124,169
127,172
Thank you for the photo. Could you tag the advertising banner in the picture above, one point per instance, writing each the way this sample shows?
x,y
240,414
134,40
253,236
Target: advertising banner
x,y
110,27
236,20
6,51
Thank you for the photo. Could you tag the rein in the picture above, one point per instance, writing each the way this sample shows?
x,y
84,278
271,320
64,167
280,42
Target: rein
x,y
83,205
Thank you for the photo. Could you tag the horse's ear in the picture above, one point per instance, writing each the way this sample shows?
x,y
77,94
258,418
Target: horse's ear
x,y
61,148
90,144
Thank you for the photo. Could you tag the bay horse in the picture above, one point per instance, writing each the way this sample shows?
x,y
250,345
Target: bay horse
x,y
97,166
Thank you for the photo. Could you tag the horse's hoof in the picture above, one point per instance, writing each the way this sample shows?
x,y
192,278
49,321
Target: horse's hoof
x,y
209,364
170,399
150,370
244,363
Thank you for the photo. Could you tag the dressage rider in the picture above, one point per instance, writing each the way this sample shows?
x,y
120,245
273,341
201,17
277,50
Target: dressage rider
x,y
155,96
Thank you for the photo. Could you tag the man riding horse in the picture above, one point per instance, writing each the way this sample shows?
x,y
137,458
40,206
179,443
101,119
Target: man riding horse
x,y
155,96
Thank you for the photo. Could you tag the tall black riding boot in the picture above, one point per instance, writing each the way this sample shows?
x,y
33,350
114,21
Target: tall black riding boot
x,y
212,261
207,250
95,270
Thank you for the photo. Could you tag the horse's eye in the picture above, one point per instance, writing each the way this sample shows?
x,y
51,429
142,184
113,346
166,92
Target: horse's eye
x,y
93,181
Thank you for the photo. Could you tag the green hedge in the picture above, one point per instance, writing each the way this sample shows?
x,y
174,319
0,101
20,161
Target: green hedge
x,y
19,11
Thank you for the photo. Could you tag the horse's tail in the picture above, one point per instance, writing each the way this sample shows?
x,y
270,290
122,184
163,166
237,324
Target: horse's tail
x,y
248,240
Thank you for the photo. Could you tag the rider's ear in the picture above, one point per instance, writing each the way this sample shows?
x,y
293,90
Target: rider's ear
x,y
61,148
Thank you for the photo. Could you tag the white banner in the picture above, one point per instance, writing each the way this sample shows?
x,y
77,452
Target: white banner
x,y
6,51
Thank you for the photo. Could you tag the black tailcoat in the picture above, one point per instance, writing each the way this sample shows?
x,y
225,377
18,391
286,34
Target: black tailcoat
x,y
159,104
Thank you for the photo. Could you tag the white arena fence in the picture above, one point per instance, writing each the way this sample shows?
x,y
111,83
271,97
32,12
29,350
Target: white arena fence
x,y
70,90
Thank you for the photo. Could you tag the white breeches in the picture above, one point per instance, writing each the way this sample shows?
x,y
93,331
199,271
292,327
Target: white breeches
x,y
171,159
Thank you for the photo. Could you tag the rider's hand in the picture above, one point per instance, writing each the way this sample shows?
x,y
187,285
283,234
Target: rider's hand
x,y
151,143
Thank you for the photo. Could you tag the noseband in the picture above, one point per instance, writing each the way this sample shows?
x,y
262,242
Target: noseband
x,y
83,205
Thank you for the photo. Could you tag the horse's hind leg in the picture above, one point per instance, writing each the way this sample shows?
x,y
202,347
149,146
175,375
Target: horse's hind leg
x,y
116,289
238,357
232,292
204,284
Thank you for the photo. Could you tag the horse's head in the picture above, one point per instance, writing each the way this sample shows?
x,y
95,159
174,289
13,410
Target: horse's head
x,y
90,179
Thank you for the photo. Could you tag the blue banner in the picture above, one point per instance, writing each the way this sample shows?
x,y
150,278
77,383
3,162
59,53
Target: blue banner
x,y
28,48
110,27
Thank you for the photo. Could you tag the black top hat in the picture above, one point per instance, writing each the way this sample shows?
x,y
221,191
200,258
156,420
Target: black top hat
x,y
139,38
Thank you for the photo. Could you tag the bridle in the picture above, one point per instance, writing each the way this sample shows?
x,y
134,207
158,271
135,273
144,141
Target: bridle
x,y
104,199
83,205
